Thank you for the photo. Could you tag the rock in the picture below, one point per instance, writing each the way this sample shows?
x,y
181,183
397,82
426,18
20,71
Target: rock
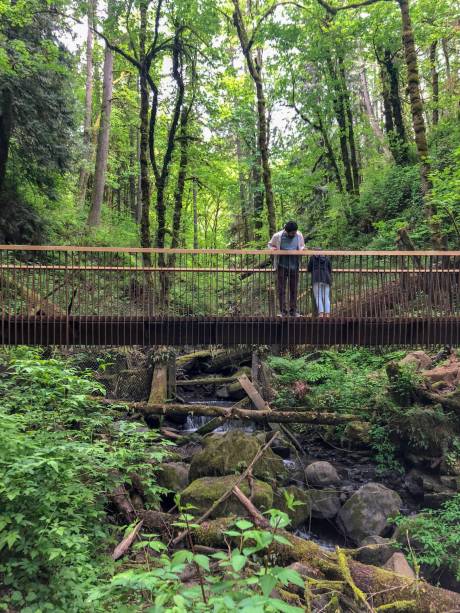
x,y
435,500
301,513
325,504
202,493
358,434
451,482
399,565
413,482
321,474
234,391
419,359
366,513
232,453
173,476
375,550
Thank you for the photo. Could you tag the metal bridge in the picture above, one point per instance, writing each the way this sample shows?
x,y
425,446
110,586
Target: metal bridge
x,y
128,296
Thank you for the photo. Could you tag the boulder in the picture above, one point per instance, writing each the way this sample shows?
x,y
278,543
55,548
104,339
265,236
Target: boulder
x,y
418,359
173,476
300,513
232,453
366,513
202,493
325,504
358,434
321,474
134,384
375,550
399,565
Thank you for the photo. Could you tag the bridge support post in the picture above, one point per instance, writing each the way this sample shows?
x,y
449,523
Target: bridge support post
x,y
163,386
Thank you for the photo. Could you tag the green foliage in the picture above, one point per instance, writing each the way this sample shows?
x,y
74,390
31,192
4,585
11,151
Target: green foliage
x,y
60,454
434,537
237,583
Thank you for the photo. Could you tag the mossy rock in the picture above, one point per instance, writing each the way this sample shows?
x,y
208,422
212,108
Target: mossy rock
x,y
202,493
134,385
325,503
232,453
300,514
173,476
366,513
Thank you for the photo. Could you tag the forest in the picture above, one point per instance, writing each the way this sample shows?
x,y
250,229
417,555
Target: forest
x,y
210,124
171,478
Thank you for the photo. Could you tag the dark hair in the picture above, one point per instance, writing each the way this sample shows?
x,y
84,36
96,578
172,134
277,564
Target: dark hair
x,y
291,226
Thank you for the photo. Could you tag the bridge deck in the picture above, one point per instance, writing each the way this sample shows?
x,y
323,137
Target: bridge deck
x,y
178,331
109,296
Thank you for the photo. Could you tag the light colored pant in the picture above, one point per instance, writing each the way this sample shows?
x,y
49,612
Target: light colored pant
x,y
322,292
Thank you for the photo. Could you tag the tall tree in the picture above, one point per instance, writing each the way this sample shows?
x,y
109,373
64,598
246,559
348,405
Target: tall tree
x,y
102,151
254,64
87,126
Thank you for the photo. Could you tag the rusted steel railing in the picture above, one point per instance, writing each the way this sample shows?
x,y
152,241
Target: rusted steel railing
x,y
109,296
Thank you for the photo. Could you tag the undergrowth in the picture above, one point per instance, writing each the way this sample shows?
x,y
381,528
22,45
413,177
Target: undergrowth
x,y
60,455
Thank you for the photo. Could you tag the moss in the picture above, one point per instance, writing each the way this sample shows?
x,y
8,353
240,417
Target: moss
x,y
358,594
202,493
399,605
232,453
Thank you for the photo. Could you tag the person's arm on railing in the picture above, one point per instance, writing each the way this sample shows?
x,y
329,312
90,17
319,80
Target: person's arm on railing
x,y
275,242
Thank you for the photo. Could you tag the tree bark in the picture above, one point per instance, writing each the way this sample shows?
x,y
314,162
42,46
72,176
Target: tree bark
x,y
242,192
416,104
132,173
6,126
341,121
234,413
350,128
144,136
181,177
434,83
102,152
371,115
195,213
87,135
255,70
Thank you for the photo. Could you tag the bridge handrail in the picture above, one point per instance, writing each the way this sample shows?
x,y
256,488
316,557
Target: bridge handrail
x,y
305,253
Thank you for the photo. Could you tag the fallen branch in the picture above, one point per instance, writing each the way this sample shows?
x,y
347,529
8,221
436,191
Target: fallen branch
x,y
299,416
204,381
228,493
126,543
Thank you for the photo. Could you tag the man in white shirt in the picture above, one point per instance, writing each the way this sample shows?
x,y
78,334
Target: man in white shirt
x,y
287,266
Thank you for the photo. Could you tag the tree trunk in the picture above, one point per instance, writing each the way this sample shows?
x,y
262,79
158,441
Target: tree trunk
x,y
413,85
434,83
195,213
387,111
371,115
255,70
132,173
350,128
144,137
330,155
6,125
181,176
341,121
102,152
87,136
243,193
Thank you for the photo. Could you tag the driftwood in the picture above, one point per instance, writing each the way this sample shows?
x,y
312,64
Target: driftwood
x,y
120,498
126,543
234,413
253,394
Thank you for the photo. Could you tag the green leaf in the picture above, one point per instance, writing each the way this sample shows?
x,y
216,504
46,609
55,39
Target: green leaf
x,y
267,583
238,561
244,524
201,560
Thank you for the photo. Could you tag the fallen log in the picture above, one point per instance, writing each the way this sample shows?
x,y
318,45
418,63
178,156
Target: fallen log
x,y
204,381
381,587
234,413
